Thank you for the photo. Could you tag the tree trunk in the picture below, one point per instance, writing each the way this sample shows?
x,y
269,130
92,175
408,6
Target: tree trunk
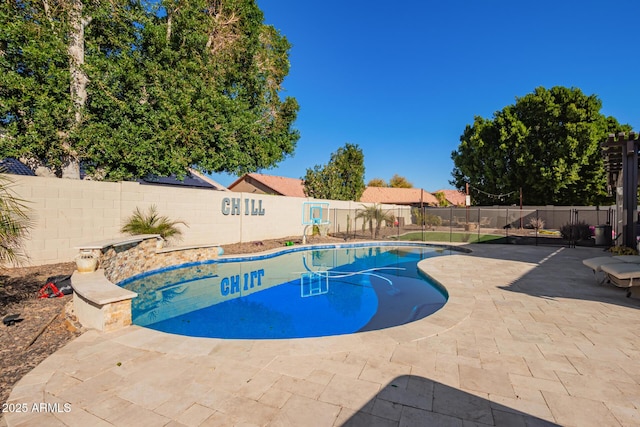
x,y
78,84
169,25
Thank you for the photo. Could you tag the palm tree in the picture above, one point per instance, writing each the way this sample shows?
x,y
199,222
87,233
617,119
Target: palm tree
x,y
14,224
372,213
152,223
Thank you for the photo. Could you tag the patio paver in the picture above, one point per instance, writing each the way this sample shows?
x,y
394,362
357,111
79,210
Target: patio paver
x,y
527,337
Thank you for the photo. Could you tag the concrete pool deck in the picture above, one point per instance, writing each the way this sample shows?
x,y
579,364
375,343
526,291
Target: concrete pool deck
x,y
527,338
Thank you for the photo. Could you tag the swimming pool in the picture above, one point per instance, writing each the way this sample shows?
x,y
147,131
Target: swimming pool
x,y
299,292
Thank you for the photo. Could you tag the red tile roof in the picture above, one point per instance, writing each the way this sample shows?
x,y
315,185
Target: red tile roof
x,y
399,196
455,197
294,187
280,185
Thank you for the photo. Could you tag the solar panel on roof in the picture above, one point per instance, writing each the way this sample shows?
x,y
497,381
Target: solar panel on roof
x,y
15,167
189,180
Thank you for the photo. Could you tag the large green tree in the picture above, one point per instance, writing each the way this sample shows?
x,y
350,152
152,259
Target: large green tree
x,y
547,143
340,179
131,88
35,104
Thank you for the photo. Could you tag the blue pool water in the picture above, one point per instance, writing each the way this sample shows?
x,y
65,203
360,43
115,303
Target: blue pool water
x,y
300,293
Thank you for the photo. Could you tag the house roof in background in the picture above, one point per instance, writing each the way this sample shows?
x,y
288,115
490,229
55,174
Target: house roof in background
x,y
281,185
210,180
191,179
15,167
401,196
292,187
455,197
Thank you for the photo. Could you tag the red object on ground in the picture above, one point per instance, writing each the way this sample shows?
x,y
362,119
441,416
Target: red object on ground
x,y
50,291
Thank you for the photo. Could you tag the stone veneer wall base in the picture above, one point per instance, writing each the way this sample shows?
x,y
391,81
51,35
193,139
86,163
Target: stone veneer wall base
x,y
101,304
107,317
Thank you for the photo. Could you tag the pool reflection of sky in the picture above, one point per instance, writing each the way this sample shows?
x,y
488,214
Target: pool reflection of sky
x,y
368,288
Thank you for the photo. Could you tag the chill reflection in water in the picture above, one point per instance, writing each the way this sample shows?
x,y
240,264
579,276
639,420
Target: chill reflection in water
x,y
302,293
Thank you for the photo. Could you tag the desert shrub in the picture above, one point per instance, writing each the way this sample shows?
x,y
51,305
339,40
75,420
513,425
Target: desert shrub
x,y
622,250
431,219
426,219
417,215
536,223
577,231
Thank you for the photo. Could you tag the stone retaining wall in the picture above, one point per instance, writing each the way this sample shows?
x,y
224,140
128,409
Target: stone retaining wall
x,y
121,259
99,302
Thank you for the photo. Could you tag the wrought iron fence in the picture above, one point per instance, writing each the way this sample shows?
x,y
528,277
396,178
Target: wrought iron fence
x,y
549,225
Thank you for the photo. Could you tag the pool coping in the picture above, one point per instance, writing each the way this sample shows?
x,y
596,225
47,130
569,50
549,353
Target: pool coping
x,y
106,306
282,251
436,323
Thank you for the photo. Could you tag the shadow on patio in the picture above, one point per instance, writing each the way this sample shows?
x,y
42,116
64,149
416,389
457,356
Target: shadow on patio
x,y
411,400
563,275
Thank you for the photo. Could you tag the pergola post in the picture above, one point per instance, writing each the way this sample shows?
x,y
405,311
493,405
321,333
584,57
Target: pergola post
x,y
622,156
630,193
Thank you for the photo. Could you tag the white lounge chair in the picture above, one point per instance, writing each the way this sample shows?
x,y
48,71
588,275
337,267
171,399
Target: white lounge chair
x,y
624,275
597,263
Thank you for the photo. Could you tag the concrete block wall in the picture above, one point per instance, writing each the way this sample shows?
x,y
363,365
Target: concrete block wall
x,y
70,213
65,213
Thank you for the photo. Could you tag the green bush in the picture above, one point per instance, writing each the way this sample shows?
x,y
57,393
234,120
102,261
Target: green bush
x,y
577,231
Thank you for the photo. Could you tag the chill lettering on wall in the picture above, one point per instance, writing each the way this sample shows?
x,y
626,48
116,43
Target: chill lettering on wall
x,y
232,206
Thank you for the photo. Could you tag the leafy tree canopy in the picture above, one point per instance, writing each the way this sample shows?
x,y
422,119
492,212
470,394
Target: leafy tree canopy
x,y
340,179
151,88
547,143
377,182
398,181
442,198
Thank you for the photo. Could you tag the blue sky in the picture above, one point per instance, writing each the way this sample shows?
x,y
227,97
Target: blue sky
x,y
402,80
